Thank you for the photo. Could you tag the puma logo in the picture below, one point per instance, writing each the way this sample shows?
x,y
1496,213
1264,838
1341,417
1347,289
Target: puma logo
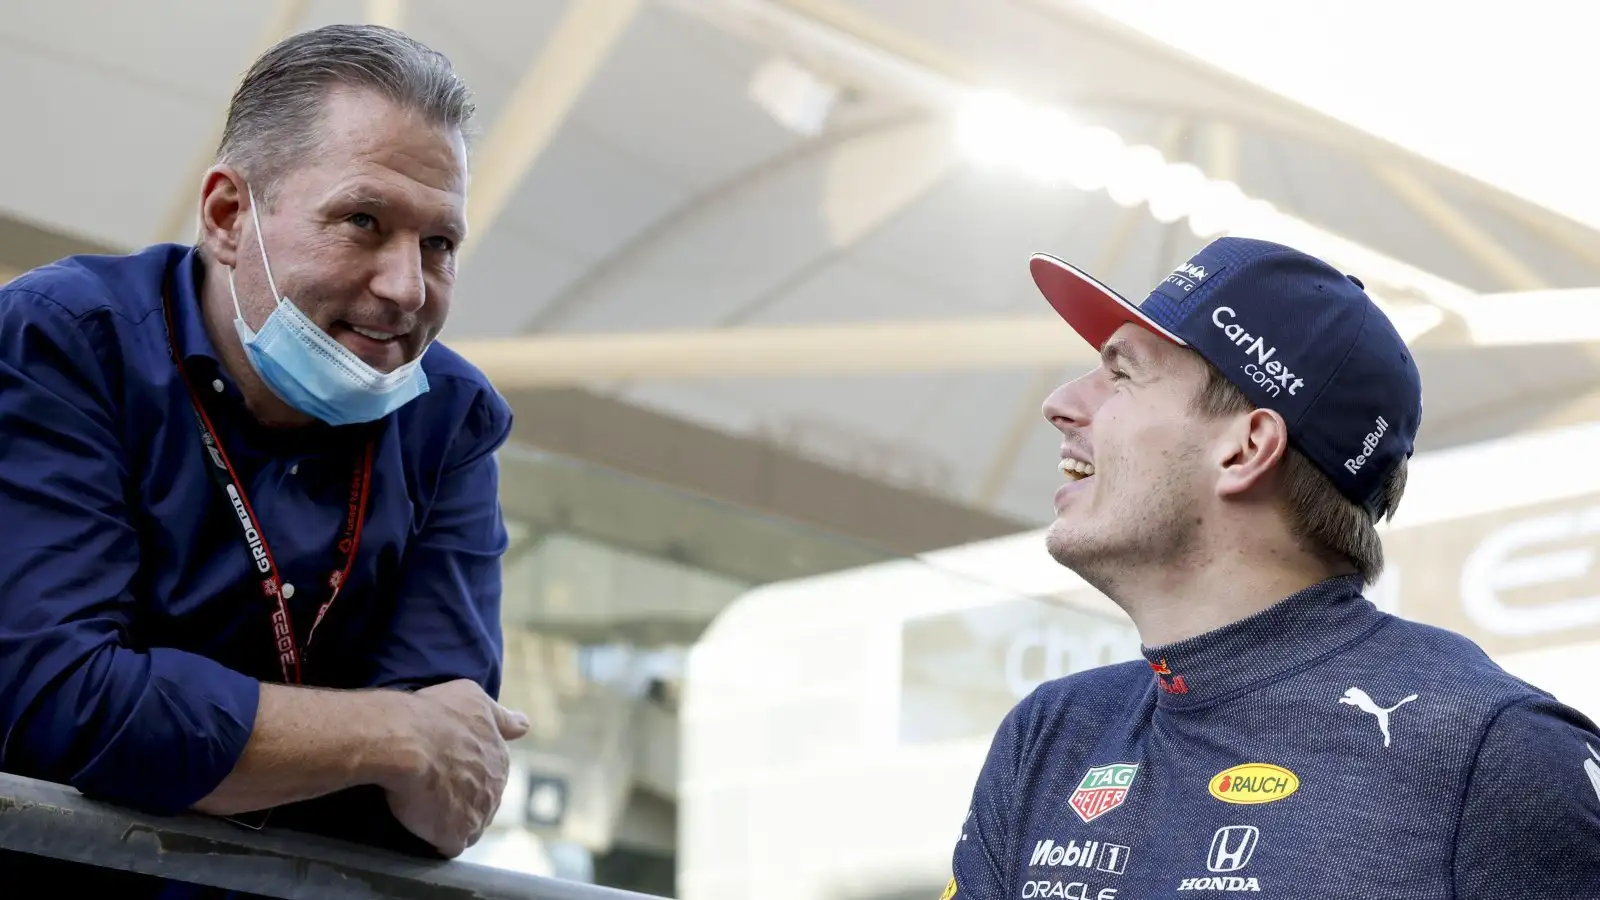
x,y
1358,698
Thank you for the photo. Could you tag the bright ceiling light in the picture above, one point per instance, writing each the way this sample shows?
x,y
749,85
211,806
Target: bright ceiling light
x,y
1218,204
987,126
1001,130
1045,144
1090,159
1177,191
1133,174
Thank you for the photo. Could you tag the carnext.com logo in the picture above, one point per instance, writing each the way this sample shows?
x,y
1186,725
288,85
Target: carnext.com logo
x,y
1271,374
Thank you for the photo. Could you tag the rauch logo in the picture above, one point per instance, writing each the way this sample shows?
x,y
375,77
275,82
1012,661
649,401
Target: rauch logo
x,y
1254,783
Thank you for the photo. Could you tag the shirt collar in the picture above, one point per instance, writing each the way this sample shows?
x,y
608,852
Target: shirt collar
x,y
194,342
201,362
1264,647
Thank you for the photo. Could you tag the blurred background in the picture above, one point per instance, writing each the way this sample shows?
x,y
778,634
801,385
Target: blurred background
x,y
753,275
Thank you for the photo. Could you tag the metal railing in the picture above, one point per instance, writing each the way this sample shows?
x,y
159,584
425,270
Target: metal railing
x,y
52,820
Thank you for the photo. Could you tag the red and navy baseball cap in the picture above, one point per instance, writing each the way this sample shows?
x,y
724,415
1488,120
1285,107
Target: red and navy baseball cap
x,y
1296,335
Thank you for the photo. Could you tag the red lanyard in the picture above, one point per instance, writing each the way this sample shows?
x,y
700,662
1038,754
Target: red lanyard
x,y
290,654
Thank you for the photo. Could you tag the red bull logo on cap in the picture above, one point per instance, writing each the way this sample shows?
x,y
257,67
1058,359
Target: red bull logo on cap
x,y
1368,444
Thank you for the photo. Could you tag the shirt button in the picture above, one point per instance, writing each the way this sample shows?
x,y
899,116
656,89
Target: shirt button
x,y
288,591
294,469
217,385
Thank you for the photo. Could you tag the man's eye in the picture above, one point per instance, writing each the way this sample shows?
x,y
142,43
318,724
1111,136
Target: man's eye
x,y
363,221
1117,374
440,244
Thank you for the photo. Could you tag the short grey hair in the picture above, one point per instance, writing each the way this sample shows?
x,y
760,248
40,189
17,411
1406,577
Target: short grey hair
x,y
275,115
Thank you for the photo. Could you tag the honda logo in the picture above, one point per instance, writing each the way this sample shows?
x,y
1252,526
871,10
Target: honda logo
x,y
1231,848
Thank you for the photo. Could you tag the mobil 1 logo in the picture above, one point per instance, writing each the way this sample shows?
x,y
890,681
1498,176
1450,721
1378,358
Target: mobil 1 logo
x,y
1095,855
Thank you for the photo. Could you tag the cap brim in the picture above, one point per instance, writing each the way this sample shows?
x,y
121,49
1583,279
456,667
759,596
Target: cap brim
x,y
1093,310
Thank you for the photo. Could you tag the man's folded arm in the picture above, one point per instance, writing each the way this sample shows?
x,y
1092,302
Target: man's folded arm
x,y
156,729
307,743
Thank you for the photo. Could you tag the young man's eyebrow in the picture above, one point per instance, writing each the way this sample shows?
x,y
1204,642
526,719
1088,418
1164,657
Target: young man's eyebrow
x,y
1121,353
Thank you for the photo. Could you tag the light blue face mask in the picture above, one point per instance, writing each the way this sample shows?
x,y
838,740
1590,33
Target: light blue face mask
x,y
311,371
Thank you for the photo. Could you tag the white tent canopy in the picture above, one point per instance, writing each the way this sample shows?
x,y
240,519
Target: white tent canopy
x,y
676,171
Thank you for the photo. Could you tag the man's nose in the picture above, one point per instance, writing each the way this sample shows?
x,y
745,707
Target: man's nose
x,y
1072,405
399,277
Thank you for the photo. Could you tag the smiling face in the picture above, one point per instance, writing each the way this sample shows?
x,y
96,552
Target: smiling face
x,y
362,235
1134,424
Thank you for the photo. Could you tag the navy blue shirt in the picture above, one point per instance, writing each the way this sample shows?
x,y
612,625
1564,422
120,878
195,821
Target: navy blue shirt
x,y
1320,749
133,630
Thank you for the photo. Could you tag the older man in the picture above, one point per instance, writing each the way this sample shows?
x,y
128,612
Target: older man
x,y
253,538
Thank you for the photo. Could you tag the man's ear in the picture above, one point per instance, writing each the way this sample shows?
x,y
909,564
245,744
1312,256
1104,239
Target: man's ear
x,y
223,210
1248,449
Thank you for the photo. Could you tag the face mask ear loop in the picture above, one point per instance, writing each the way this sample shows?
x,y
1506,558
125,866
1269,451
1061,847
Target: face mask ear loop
x,y
261,242
235,295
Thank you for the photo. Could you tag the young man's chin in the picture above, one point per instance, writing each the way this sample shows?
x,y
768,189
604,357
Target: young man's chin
x,y
1063,546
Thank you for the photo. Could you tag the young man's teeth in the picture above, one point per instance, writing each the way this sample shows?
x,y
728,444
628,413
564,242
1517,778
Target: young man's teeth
x,y
367,332
1076,468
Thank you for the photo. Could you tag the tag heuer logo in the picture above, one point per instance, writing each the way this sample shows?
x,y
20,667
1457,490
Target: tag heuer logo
x,y
1103,789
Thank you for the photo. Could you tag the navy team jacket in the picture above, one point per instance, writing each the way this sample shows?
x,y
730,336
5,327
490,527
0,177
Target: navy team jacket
x,y
1320,749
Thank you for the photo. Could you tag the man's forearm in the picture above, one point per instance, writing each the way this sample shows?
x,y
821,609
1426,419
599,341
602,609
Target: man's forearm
x,y
308,742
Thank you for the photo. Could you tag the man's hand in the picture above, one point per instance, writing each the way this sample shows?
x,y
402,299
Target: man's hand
x,y
457,762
